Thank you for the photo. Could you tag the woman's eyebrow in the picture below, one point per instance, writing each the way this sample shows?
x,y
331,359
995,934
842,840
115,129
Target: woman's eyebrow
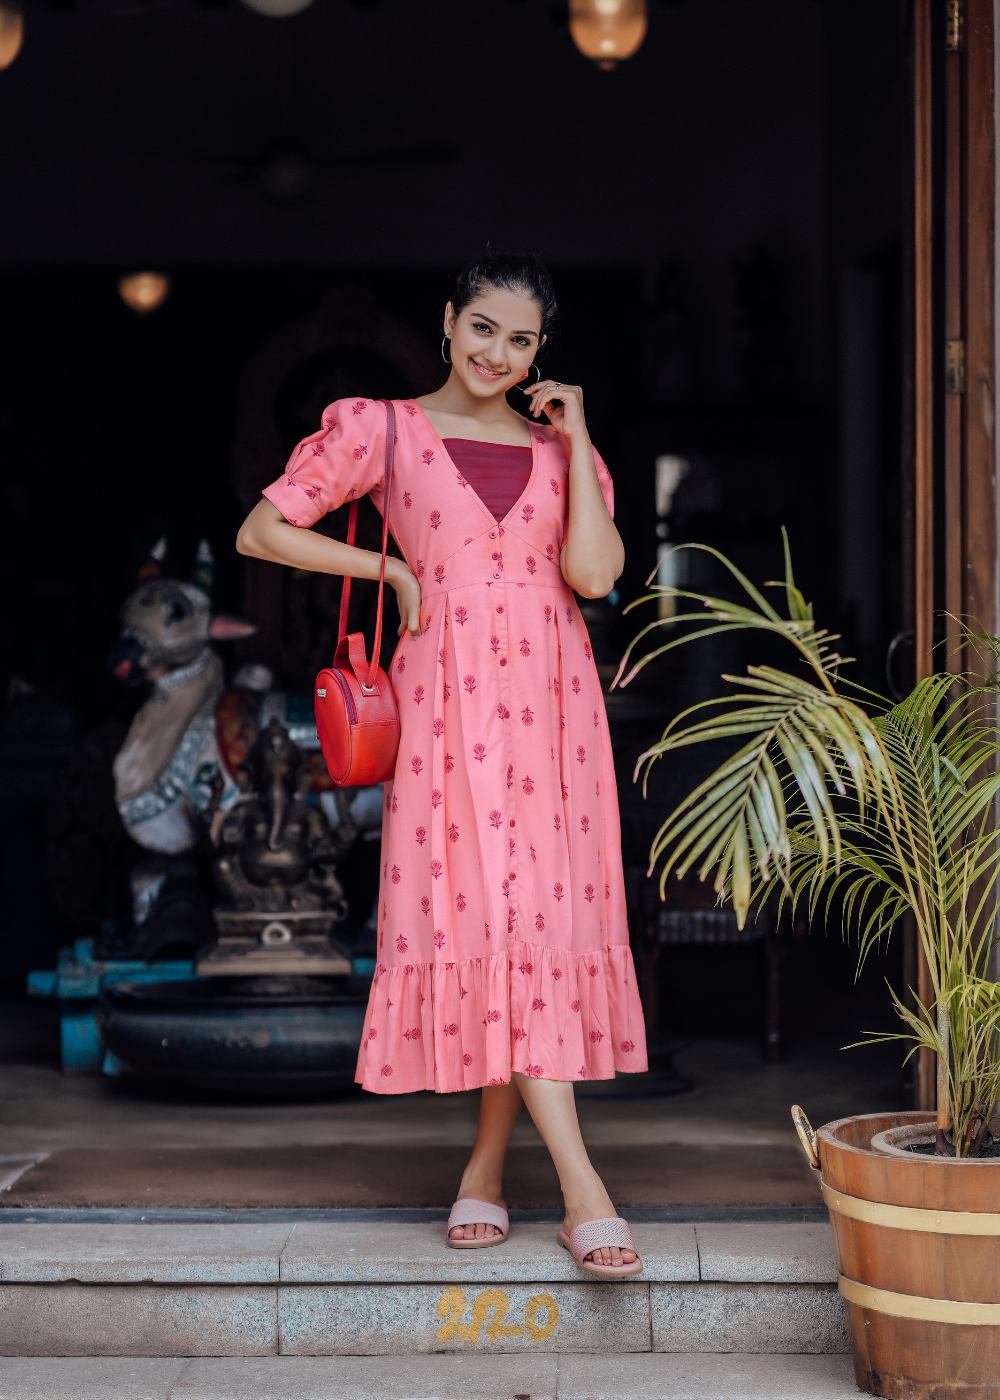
x,y
481,317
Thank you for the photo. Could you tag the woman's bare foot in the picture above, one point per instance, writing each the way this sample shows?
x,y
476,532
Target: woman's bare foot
x,y
475,1189
595,1204
479,1231
483,1177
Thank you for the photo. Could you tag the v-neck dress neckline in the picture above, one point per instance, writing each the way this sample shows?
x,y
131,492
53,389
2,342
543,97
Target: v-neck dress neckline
x,y
462,481
497,473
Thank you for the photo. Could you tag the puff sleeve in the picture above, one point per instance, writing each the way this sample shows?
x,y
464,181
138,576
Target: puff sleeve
x,y
606,484
342,462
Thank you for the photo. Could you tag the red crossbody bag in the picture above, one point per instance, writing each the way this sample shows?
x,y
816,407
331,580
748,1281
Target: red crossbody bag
x,y
356,713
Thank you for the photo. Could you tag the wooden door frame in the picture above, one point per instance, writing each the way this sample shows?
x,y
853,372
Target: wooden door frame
x,y
951,564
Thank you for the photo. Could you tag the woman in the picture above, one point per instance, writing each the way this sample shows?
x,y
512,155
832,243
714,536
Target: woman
x,y
503,946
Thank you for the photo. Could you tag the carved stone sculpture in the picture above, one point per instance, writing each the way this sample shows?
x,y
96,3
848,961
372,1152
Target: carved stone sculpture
x,y
275,870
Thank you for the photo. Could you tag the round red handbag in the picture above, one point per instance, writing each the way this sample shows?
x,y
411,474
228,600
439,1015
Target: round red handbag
x,y
357,718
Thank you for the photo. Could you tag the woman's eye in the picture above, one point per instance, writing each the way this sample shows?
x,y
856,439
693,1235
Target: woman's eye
x,y
482,327
520,340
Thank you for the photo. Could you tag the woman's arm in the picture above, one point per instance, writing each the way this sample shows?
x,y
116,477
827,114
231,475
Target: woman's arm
x,y
266,534
593,555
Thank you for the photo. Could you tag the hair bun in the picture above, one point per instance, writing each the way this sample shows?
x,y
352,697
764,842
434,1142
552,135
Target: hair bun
x,y
508,272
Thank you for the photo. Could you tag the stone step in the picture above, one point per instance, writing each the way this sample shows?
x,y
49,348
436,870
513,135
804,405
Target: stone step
x,y
366,1288
543,1376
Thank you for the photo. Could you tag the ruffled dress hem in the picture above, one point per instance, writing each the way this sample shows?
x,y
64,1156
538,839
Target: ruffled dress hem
x,y
540,1011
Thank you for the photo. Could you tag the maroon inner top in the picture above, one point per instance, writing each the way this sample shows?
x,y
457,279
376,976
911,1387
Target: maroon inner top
x,y
497,473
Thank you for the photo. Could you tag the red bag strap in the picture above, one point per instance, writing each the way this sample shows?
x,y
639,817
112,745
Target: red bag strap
x,y
345,596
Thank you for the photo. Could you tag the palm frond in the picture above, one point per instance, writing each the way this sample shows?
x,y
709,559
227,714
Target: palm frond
x,y
816,736
871,809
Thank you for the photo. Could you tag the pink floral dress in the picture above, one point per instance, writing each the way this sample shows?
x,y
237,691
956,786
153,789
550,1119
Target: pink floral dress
x,y
502,936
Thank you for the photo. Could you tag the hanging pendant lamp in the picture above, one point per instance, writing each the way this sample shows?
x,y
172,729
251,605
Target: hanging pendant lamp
x,y
11,32
144,291
277,9
607,30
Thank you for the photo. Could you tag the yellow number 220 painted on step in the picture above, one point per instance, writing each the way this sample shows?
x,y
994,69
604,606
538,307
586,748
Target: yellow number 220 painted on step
x,y
454,1304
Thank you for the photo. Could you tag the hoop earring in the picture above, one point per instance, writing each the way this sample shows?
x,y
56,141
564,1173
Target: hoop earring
x,y
538,375
444,341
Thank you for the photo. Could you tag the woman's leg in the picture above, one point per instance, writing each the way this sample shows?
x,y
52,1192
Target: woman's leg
x,y
483,1177
552,1105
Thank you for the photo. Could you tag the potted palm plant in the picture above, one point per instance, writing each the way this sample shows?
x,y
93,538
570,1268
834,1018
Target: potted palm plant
x,y
871,811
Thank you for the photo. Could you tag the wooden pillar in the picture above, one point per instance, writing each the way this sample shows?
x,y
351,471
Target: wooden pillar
x,y
952,657
956,339
923,408
969,329
977,399
923,336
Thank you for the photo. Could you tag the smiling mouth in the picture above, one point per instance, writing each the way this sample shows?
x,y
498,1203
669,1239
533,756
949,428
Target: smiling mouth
x,y
487,373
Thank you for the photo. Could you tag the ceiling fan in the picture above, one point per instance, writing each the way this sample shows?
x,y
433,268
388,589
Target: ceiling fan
x,y
285,168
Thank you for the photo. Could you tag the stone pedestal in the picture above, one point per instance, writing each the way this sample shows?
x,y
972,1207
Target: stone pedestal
x,y
263,944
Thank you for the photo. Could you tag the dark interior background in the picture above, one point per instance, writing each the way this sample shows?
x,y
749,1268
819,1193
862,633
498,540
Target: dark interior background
x,y
722,218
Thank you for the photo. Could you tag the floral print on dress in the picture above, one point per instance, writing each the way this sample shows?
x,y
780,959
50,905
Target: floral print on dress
x,y
496,953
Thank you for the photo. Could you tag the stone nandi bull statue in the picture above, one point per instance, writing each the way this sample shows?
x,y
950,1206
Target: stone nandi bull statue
x,y
165,769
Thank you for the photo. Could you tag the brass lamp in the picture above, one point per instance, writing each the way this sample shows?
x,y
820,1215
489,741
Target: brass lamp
x,y
11,32
277,9
144,291
607,30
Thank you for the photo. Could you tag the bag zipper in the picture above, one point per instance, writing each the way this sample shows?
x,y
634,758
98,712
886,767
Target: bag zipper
x,y
352,709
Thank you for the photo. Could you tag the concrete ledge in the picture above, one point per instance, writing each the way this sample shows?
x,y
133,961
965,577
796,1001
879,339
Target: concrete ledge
x,y
361,1251
141,1254
765,1319
356,1253
342,1319
766,1253
369,1289
72,1319
542,1376
365,1319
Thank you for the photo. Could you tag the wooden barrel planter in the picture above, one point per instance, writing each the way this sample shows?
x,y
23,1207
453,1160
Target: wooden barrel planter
x,y
918,1261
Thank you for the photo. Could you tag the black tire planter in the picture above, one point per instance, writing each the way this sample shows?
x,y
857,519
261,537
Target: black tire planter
x,y
219,1035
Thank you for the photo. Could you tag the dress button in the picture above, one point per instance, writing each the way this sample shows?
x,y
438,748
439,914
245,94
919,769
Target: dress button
x,y
499,610
503,661
493,534
497,573
513,875
512,821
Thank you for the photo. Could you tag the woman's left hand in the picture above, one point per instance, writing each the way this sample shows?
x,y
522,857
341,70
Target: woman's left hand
x,y
564,405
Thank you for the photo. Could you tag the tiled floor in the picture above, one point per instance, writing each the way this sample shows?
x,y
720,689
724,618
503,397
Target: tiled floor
x,y
736,1098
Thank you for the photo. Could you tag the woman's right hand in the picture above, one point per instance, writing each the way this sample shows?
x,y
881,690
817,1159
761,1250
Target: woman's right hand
x,y
407,590
266,534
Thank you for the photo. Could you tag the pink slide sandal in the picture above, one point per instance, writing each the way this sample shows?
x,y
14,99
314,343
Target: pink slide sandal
x,y
601,1234
471,1212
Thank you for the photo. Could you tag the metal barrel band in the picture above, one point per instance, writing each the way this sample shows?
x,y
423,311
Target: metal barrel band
x,y
919,1309
931,1222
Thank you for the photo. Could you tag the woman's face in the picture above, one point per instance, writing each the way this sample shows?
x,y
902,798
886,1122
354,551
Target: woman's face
x,y
493,340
